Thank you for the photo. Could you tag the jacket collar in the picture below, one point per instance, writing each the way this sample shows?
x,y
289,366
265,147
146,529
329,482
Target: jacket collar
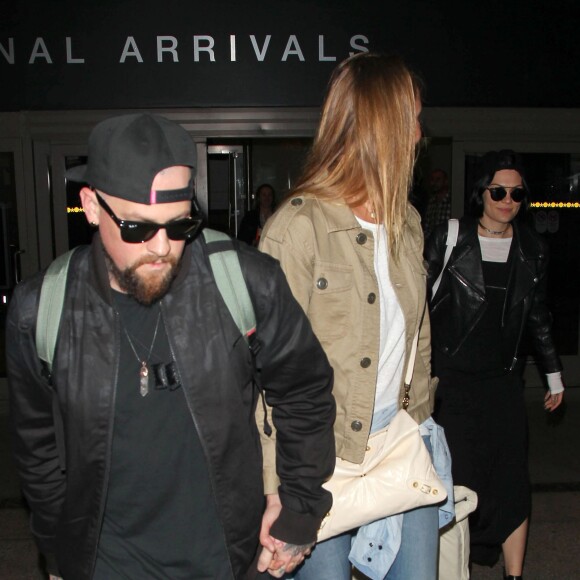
x,y
466,259
98,273
337,216
524,253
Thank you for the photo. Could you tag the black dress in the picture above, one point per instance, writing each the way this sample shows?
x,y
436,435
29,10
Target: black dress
x,y
481,407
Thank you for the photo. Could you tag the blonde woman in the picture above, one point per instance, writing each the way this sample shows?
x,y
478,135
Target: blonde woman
x,y
351,247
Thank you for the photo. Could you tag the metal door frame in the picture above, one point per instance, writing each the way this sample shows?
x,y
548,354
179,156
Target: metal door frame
x,y
25,212
238,198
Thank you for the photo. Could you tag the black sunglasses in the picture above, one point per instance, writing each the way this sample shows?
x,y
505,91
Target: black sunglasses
x,y
498,193
139,232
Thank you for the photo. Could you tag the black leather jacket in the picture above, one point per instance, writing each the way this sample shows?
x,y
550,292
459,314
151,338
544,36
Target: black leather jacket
x,y
216,372
460,301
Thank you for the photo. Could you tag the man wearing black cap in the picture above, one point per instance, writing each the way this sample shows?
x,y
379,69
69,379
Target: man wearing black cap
x,y
139,455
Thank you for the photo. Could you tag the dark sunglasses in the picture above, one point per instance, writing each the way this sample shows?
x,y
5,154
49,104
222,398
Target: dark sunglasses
x,y
498,193
139,232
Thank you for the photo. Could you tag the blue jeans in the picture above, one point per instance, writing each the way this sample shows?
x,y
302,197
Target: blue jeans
x,y
416,559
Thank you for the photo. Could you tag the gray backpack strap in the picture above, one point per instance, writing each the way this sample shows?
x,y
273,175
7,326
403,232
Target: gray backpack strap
x,y
227,272
48,318
50,308
452,234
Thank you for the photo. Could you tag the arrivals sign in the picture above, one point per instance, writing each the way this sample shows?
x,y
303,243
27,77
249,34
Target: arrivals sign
x,y
115,54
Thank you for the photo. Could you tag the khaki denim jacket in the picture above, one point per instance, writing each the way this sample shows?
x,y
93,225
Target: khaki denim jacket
x,y
328,259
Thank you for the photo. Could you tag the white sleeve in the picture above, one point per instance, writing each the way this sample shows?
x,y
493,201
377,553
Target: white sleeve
x,y
555,383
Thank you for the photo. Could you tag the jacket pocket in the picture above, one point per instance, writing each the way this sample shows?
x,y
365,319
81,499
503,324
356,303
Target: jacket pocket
x,y
331,300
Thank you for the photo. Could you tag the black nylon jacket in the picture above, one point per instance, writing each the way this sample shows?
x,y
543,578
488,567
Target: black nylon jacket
x,y
216,372
460,301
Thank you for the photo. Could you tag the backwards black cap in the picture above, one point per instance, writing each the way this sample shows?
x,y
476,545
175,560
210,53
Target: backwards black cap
x,y
127,152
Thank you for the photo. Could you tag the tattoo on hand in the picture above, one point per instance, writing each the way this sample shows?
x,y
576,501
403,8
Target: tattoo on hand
x,y
297,549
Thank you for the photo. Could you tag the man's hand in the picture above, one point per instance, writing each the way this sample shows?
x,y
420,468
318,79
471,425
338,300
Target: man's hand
x,y
277,556
284,559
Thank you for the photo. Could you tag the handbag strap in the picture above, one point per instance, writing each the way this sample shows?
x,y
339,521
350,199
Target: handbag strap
x,y
410,368
452,234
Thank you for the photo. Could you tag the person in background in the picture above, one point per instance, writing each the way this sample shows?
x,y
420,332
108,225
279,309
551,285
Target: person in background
x,y
351,247
439,203
254,220
492,292
140,457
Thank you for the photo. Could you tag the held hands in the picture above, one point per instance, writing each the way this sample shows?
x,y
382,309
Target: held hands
x,y
552,402
278,557
284,559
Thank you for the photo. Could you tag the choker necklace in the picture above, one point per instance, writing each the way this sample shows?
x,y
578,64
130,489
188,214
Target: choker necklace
x,y
144,370
493,232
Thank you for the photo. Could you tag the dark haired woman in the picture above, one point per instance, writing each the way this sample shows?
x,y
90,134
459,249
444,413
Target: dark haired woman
x,y
493,290
255,219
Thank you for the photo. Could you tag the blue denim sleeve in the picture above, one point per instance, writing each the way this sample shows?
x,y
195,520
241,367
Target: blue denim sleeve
x,y
442,463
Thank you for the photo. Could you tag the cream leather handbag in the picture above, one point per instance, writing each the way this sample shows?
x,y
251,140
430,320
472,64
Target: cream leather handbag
x,y
395,476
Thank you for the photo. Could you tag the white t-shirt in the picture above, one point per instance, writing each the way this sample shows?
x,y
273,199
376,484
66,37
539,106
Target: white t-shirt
x,y
392,325
495,249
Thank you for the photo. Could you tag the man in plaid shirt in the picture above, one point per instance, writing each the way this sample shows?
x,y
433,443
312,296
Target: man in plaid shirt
x,y
439,204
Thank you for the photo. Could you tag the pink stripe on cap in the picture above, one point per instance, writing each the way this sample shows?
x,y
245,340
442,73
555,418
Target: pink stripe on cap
x,y
153,197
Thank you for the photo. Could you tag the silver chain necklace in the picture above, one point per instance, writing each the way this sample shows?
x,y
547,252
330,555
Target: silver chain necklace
x,y
144,370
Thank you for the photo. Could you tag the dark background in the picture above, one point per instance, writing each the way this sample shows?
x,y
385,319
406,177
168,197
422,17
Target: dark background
x,y
485,54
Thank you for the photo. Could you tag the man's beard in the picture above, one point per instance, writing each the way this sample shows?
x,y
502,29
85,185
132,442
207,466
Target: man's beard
x,y
145,289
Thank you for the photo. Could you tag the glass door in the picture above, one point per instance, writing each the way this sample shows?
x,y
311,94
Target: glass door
x,y
70,226
11,249
227,187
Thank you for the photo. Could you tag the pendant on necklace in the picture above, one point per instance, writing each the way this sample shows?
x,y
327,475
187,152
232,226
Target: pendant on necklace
x,y
144,379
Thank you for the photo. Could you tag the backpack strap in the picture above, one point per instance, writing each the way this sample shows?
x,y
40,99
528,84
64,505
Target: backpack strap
x,y
225,265
50,308
452,234
227,272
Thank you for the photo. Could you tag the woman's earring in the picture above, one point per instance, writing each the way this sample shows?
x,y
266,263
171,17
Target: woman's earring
x,y
94,224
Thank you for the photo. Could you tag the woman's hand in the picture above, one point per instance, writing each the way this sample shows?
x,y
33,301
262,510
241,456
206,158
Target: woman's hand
x,y
552,402
278,557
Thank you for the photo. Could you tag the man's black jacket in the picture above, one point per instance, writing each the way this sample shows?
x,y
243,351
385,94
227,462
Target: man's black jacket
x,y
216,370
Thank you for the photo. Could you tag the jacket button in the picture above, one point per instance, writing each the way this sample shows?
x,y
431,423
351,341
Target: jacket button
x,y
361,239
365,363
296,201
371,298
322,283
356,425
535,280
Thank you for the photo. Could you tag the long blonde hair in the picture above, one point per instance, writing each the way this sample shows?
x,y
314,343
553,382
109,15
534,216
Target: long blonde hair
x,y
364,149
